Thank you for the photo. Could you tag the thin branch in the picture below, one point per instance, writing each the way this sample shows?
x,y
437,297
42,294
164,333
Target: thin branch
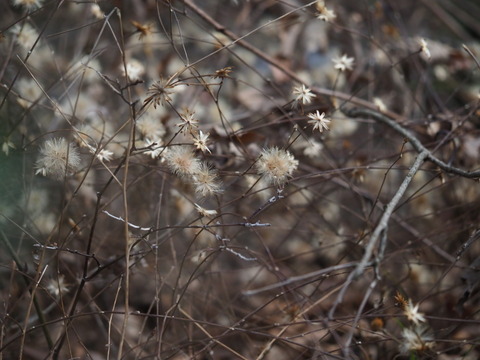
x,y
295,279
379,229
272,61
416,144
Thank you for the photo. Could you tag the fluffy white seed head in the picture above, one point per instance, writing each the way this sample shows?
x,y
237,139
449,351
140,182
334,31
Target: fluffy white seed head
x,y
58,158
26,35
206,181
182,161
276,165
28,4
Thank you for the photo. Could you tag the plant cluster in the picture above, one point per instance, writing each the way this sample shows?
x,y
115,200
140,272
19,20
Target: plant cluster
x,y
239,179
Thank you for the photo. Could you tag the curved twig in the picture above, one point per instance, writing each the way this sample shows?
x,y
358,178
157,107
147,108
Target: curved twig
x,y
416,144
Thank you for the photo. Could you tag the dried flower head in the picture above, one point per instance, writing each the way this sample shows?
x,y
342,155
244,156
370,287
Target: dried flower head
x,y
154,147
96,11
188,121
104,155
380,104
319,121
200,142
324,13
57,286
26,35
7,145
424,50
223,73
142,29
206,181
159,92
58,158
28,4
412,313
313,149
276,165
343,63
400,301
134,70
302,94
29,92
182,161
150,125
204,212
418,338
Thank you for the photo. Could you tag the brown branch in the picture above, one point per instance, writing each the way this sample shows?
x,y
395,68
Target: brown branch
x,y
240,40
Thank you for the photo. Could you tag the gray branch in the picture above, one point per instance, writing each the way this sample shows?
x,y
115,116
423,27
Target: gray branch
x,y
416,144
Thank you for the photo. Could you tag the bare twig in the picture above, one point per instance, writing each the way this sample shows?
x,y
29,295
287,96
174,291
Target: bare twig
x,y
379,229
416,144
298,278
272,61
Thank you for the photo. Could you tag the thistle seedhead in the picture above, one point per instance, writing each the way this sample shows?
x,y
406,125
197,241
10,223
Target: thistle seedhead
x,y
58,158
276,165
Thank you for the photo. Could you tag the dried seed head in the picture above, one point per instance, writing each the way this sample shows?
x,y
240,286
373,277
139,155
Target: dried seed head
x,y
319,121
276,165
28,4
302,95
343,63
182,161
58,158
159,92
206,181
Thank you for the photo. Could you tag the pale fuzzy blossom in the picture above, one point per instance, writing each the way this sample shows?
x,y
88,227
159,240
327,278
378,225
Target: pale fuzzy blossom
x,y
343,63
96,11
57,286
319,121
424,50
189,122
104,155
324,13
28,91
26,35
380,104
276,165
155,147
150,125
7,145
28,4
135,70
313,149
412,313
200,142
58,158
206,182
181,160
303,94
199,257
204,212
159,93
418,338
